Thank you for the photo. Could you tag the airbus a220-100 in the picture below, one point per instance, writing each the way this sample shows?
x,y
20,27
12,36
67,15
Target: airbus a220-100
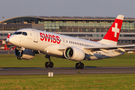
x,y
28,42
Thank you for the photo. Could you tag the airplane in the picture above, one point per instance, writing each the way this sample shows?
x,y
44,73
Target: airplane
x,y
29,42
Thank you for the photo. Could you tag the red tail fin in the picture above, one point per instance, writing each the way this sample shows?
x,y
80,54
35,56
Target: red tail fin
x,y
111,37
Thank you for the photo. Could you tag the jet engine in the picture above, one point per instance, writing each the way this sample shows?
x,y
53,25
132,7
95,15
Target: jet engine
x,y
24,54
74,53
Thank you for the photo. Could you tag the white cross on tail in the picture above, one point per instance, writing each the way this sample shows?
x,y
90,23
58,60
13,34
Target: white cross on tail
x,y
115,30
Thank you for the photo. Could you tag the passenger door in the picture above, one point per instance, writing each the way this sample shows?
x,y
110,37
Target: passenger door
x,y
35,33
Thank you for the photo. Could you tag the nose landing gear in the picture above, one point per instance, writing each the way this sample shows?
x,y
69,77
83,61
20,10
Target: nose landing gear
x,y
19,57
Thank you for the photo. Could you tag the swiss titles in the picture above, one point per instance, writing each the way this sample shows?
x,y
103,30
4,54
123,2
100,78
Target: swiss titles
x,y
50,38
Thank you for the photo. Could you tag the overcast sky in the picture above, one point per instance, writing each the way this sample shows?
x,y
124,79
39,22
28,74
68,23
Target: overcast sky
x,y
91,8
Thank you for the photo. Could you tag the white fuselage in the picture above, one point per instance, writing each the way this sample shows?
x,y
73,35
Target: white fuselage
x,y
48,43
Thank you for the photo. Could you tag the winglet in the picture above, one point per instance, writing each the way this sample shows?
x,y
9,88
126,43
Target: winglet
x,y
111,37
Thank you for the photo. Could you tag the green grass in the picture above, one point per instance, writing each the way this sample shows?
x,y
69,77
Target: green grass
x,y
9,60
69,82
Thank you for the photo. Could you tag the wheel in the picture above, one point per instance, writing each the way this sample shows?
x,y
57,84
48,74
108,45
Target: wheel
x,y
46,64
19,58
51,64
81,65
77,65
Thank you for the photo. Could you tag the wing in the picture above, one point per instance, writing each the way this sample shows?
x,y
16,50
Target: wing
x,y
106,48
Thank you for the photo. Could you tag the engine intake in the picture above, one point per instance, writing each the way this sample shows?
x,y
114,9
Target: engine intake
x,y
74,53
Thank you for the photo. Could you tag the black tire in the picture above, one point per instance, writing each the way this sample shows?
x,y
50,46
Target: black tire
x,y
19,58
46,64
77,65
81,65
51,64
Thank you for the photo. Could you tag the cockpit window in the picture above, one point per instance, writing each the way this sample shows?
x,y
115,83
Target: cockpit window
x,y
24,33
19,33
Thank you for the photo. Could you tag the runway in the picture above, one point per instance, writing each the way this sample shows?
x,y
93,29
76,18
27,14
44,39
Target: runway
x,y
42,71
6,51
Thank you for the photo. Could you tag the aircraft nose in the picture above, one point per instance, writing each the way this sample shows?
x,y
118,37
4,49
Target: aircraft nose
x,y
14,40
11,40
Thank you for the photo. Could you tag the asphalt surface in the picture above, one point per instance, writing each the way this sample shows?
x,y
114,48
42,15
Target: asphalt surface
x,y
41,71
6,51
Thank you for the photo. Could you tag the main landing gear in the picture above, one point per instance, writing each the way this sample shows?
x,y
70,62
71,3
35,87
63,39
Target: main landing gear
x,y
48,64
79,65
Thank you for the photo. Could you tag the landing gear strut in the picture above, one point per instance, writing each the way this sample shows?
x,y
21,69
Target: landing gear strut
x,y
79,65
48,64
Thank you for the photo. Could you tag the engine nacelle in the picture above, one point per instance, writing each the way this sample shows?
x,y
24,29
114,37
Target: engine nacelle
x,y
74,53
24,54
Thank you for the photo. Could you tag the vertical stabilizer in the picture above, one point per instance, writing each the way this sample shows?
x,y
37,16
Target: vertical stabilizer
x,y
111,37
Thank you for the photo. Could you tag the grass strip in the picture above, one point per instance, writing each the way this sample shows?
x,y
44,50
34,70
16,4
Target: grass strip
x,y
9,60
69,82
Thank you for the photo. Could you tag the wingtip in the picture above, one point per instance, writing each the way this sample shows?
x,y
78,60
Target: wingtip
x,y
121,17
